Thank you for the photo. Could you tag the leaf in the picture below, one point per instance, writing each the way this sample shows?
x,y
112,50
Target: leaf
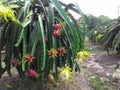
x,y
34,47
7,85
42,36
24,35
67,20
27,19
20,38
84,25
80,12
63,14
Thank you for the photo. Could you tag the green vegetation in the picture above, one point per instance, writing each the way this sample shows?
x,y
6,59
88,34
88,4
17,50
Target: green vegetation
x,y
98,83
105,33
40,38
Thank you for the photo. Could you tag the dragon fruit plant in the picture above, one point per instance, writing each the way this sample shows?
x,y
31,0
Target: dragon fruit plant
x,y
39,37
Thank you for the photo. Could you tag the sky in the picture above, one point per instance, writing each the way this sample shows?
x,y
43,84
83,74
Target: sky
x,y
98,7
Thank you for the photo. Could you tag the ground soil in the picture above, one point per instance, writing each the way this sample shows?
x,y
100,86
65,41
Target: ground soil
x,y
100,71
78,83
97,73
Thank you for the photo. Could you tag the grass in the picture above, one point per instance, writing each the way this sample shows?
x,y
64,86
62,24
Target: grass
x,y
91,50
98,83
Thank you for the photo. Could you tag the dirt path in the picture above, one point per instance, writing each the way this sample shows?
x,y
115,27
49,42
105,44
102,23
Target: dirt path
x,y
100,70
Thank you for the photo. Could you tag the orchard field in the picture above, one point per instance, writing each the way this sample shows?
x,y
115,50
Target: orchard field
x,y
43,47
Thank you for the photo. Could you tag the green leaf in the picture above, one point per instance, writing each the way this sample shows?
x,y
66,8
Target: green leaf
x,y
7,85
63,14
20,38
24,50
80,12
74,35
27,19
41,35
34,47
84,25
50,25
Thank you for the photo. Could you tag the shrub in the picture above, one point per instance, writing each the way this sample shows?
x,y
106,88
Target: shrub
x,y
44,38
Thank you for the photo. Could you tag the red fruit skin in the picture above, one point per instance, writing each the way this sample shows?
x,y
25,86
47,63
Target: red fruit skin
x,y
57,27
29,58
46,39
61,51
56,33
32,73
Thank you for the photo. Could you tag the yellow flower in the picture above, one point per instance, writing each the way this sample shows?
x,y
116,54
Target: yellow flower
x,y
7,13
80,55
99,36
86,53
79,60
65,74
